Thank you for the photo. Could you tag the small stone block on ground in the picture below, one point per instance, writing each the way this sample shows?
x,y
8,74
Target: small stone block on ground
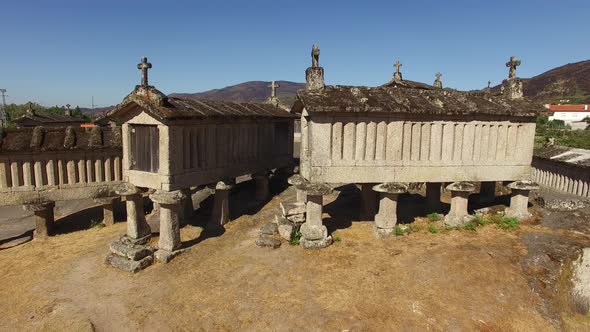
x,y
132,252
287,231
268,241
124,264
269,229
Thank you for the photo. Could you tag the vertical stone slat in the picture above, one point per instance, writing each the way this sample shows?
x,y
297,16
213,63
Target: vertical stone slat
x,y
477,143
108,169
458,143
502,142
485,142
425,142
348,146
4,174
51,172
361,139
82,171
436,134
90,171
394,140
27,174
381,141
468,142
447,141
14,173
117,168
371,140
407,141
61,172
38,173
493,144
98,169
337,141
512,142
71,171
416,140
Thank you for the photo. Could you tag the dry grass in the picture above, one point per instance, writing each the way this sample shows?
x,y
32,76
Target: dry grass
x,y
446,281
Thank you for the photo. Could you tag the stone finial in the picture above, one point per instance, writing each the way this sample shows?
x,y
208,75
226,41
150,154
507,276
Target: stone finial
x,y
144,66
489,83
315,56
67,111
273,89
437,81
397,76
70,138
314,75
37,137
512,64
30,110
116,139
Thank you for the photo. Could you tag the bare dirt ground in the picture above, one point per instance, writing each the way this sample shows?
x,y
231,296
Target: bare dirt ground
x,y
449,281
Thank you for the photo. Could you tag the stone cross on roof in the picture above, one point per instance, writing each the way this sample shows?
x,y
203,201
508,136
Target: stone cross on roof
x,y
489,82
437,82
512,64
30,109
273,89
68,106
315,56
397,76
144,66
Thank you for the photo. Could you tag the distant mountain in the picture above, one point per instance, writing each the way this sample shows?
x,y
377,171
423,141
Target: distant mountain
x,y
566,84
253,91
94,112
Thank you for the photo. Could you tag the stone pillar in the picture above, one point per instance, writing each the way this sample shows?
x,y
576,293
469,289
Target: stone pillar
x,y
187,209
108,205
44,218
313,233
262,189
519,199
297,180
386,219
138,231
487,192
220,213
170,205
458,214
433,196
368,201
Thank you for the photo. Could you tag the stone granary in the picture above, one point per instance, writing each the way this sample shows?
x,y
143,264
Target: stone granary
x,y
405,131
34,119
172,144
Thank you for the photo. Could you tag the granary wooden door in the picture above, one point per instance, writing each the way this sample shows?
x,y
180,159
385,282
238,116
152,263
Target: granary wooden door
x,y
145,148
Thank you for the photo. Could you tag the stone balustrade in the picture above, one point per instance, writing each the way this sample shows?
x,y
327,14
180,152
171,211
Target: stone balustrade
x,y
563,169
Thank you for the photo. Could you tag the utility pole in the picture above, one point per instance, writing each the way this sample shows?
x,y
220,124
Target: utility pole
x,y
3,116
92,103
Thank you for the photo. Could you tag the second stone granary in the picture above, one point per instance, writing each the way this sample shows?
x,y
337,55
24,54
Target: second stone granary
x,y
406,131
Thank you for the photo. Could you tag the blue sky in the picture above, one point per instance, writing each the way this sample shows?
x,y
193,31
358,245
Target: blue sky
x,y
58,52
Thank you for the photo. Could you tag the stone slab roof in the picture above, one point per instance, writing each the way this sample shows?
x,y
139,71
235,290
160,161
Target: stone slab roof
x,y
59,139
49,118
166,108
414,99
565,155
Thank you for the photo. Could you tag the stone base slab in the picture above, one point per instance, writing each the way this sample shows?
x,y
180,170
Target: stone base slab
x,y
127,264
313,232
520,215
316,244
130,251
382,233
268,241
131,241
165,256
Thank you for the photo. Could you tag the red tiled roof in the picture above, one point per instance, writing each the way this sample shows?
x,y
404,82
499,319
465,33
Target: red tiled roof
x,y
570,108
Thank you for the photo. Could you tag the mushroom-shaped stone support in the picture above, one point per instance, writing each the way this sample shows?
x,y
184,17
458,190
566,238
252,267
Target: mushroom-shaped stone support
x,y
386,218
44,217
170,203
519,199
313,233
458,215
137,228
297,180
262,189
220,213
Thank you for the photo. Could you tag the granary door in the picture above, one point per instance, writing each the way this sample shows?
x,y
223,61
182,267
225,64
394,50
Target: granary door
x,y
145,147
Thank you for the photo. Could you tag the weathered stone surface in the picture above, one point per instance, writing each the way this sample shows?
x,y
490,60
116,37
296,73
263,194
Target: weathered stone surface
x,y
581,280
461,186
316,244
523,185
391,188
295,180
126,189
315,189
290,208
268,241
455,220
167,197
125,239
165,256
127,264
313,232
288,231
297,218
130,251
269,229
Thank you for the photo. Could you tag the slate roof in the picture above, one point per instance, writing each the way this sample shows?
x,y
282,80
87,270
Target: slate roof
x,y
166,108
410,97
56,139
48,118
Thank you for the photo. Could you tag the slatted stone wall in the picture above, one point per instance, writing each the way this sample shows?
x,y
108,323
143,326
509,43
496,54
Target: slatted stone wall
x,y
563,177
